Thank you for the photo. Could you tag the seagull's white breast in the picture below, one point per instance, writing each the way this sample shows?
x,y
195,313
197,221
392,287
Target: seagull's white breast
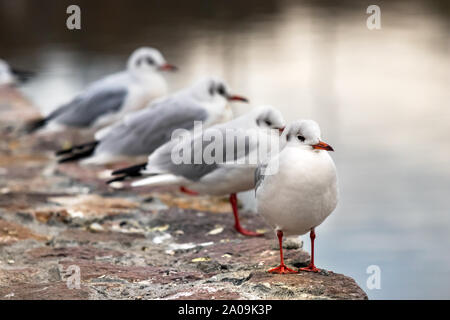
x,y
302,192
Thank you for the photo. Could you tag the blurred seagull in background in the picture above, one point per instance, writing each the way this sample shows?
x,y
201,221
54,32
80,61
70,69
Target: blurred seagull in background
x,y
303,192
12,76
224,178
109,98
142,132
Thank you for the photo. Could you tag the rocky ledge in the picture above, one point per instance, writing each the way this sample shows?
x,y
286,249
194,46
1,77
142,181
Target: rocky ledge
x,y
59,224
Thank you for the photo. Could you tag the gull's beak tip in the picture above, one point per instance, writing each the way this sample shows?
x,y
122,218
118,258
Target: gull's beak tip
x,y
238,98
168,67
323,146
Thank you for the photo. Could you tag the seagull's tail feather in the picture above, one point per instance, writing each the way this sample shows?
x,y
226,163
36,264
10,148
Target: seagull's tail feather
x,y
79,147
158,180
122,174
79,155
35,125
133,171
124,177
117,179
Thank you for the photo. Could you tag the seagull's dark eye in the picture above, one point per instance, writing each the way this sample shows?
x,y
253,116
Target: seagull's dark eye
x,y
150,61
268,122
301,138
221,90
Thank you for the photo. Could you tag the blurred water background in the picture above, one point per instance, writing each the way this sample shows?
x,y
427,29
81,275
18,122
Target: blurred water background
x,y
381,97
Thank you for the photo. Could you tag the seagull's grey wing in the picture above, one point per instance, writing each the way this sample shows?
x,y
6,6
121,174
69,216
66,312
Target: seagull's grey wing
x,y
84,110
259,176
196,167
146,130
164,163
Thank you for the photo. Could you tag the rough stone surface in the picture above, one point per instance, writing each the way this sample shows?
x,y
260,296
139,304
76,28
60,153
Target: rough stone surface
x,y
56,221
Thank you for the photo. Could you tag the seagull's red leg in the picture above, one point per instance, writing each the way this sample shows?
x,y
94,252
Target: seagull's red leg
x,y
237,224
311,267
189,192
281,269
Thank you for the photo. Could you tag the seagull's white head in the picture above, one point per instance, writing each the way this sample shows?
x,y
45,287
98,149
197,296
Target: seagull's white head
x,y
146,60
213,90
6,77
268,117
305,133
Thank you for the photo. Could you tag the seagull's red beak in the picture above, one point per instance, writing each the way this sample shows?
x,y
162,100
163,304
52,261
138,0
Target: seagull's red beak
x,y
237,98
168,67
323,146
281,130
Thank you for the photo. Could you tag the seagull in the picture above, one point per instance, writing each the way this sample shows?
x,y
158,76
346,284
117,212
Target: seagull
x,y
113,96
11,76
142,132
224,177
304,180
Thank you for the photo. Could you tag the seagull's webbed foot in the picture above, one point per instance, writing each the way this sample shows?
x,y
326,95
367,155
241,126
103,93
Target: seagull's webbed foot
x,y
189,192
237,223
310,268
246,232
282,269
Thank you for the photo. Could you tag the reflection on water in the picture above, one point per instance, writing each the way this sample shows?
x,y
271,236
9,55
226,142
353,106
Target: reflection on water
x,y
382,99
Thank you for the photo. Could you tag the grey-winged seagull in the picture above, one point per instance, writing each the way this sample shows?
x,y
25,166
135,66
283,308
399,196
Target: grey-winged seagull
x,y
142,132
259,126
111,97
303,191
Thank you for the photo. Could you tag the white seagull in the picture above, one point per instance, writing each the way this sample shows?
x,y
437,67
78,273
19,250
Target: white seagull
x,y
11,76
303,191
227,176
111,97
142,132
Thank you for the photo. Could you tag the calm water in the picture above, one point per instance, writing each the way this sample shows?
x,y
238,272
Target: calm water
x,y
381,97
